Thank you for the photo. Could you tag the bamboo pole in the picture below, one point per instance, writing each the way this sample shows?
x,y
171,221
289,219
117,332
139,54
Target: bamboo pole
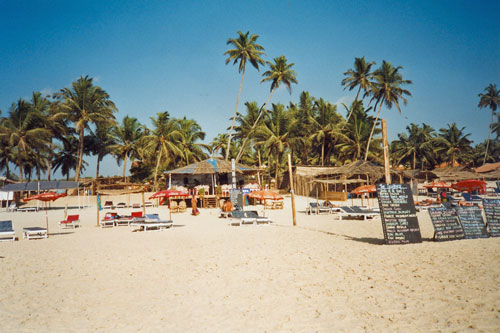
x,y
291,189
386,153
143,206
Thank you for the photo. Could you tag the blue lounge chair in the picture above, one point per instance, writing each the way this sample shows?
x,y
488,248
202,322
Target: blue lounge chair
x,y
6,231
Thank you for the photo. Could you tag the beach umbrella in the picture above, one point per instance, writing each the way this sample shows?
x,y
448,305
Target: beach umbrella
x,y
437,185
47,196
168,194
470,185
364,189
265,194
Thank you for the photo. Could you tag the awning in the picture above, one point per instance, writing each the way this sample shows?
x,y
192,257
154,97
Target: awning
x,y
42,186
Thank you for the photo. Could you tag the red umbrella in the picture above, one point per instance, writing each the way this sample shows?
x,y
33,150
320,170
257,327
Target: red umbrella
x,y
265,194
437,185
47,196
470,185
168,194
364,189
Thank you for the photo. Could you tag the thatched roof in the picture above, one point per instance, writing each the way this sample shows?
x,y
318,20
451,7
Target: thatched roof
x,y
455,174
374,171
211,166
488,167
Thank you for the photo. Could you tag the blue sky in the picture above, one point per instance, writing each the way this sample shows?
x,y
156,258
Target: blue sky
x,y
152,56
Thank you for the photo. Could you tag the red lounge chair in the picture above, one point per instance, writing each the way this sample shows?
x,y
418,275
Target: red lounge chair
x,y
72,221
108,220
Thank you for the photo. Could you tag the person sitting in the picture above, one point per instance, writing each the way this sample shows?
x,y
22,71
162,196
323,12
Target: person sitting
x,y
228,206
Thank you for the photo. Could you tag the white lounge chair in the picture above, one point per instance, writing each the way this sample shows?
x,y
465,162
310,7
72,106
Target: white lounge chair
x,y
356,213
34,233
238,217
6,231
108,220
72,221
12,207
252,214
121,205
151,222
314,208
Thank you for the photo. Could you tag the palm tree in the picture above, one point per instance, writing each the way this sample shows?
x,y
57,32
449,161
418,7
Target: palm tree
x,y
66,156
219,143
164,138
85,103
490,99
126,137
101,141
326,126
359,77
302,116
22,134
191,132
454,144
273,134
417,144
280,72
245,49
387,89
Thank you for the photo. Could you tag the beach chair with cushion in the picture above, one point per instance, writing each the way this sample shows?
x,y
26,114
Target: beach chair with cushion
x,y
151,222
252,214
355,213
278,204
6,231
72,221
108,205
109,220
148,204
136,205
126,220
34,233
238,217
182,206
121,205
314,208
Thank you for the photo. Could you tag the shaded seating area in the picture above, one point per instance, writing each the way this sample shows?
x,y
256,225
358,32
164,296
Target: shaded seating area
x,y
7,233
72,221
151,222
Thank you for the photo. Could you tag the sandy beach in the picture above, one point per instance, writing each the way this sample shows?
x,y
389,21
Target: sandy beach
x,y
203,275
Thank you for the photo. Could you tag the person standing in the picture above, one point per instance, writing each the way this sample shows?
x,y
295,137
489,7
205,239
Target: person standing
x,y
194,204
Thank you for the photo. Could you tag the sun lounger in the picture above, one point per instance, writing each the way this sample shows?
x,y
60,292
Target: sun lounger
x,y
136,205
127,220
252,214
148,204
6,231
108,220
108,205
72,221
26,209
314,208
238,218
34,233
121,205
356,213
12,207
151,222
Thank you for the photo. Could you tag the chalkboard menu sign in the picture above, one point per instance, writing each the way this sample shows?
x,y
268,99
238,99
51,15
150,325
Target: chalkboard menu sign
x,y
236,197
492,212
472,222
399,217
446,224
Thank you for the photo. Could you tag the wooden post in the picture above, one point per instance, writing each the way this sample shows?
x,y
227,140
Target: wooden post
x,y
143,207
386,152
291,188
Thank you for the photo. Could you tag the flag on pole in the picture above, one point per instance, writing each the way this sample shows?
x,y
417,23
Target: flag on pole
x,y
99,202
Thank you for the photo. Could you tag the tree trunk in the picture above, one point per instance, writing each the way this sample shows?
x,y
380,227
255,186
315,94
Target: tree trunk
x,y
323,153
373,129
49,166
234,116
125,164
240,153
277,170
20,163
489,135
99,158
352,105
156,169
80,155
414,160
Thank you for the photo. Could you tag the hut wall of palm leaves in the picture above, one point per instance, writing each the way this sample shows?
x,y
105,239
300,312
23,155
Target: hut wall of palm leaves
x,y
52,133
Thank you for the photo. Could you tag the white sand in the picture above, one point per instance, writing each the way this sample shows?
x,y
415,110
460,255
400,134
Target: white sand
x,y
203,275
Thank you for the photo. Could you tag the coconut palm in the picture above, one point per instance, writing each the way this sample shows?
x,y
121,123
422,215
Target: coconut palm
x,y
191,151
327,127
273,135
245,49
22,134
219,143
100,142
491,99
416,145
302,116
163,140
280,72
359,77
387,89
84,103
454,144
126,137
65,157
